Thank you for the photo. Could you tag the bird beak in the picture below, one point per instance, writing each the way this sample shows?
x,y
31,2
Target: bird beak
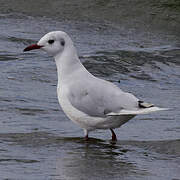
x,y
32,47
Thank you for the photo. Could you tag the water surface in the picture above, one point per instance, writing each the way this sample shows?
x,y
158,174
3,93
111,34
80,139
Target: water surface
x,y
37,141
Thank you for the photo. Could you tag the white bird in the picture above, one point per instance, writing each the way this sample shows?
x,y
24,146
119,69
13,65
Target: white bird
x,y
90,102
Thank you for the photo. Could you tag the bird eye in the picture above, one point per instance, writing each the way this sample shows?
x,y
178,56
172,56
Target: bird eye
x,y
51,41
62,42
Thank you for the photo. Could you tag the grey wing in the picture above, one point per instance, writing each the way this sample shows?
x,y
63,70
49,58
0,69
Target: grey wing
x,y
98,98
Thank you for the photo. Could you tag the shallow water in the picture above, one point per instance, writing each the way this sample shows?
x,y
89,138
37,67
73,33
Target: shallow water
x,y
37,141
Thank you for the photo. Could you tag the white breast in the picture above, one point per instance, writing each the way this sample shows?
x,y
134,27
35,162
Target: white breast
x,y
80,118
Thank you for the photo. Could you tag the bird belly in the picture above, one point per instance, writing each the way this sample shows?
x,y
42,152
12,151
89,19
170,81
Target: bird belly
x,y
90,122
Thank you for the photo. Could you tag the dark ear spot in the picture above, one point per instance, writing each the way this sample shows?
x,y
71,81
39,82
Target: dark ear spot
x,y
62,42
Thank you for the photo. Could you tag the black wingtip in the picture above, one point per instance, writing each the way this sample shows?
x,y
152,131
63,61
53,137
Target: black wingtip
x,y
143,104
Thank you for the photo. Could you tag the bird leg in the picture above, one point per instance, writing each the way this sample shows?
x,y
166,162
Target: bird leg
x,y
86,138
86,135
113,135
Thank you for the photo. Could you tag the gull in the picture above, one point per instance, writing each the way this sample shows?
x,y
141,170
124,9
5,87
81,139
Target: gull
x,y
88,101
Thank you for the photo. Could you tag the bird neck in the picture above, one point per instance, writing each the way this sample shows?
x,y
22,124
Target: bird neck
x,y
67,62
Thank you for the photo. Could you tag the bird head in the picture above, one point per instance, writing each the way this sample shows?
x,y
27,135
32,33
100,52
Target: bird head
x,y
53,43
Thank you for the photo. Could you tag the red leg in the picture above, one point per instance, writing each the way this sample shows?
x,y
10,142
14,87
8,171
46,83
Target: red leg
x,y
113,135
86,138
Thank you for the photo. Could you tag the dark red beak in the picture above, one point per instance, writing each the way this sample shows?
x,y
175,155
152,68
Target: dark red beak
x,y
32,47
